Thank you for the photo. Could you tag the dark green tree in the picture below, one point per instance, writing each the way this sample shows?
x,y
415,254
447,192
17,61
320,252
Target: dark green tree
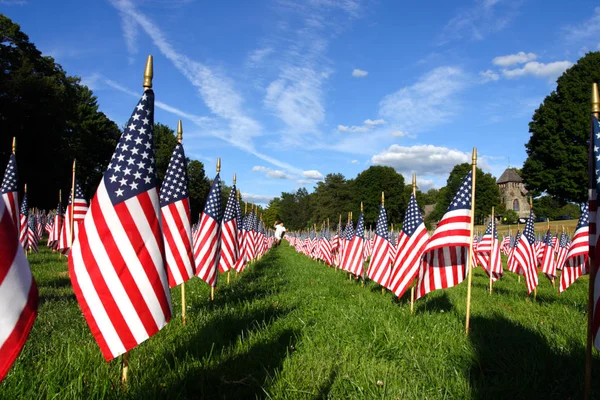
x,y
165,141
557,151
332,197
367,189
199,185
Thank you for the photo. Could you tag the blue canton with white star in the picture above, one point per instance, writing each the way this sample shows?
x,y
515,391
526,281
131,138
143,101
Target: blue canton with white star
x,y
10,181
212,208
563,240
349,231
230,208
528,231
596,143
132,169
25,205
174,187
412,218
381,227
360,227
238,211
585,217
462,199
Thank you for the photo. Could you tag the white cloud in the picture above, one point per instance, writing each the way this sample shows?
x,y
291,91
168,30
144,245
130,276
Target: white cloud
x,y
371,122
91,81
272,173
312,174
353,128
425,184
485,17
402,134
586,33
257,198
539,70
354,162
513,59
359,73
489,75
257,56
427,103
421,159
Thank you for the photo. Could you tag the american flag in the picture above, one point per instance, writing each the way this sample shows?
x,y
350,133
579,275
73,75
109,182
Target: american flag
x,y
176,225
78,208
511,263
10,190
116,264
411,244
32,237
229,234
562,250
355,249
446,255
54,236
525,256
207,241
548,264
345,245
576,263
23,220
379,266
594,221
18,293
505,247
488,253
243,244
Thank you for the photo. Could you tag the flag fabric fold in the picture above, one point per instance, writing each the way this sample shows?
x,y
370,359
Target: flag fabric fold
x,y
379,266
208,238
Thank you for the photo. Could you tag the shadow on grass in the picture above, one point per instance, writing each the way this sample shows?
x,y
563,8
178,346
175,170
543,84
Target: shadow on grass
x,y
439,303
242,376
512,361
326,386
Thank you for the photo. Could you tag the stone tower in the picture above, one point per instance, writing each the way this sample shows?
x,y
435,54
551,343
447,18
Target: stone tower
x,y
512,193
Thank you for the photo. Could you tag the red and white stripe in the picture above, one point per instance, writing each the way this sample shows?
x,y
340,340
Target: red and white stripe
x,y
379,266
177,235
408,259
207,249
18,293
576,263
118,272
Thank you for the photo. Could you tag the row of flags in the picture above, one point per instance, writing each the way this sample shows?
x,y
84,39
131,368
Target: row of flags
x,y
440,261
129,246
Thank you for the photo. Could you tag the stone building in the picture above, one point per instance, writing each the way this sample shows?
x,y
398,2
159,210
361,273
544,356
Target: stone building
x,y
513,193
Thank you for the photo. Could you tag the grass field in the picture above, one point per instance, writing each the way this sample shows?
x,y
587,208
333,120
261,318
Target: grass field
x,y
295,329
541,227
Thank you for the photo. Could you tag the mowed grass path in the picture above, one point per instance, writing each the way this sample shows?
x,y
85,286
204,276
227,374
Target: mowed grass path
x,y
295,329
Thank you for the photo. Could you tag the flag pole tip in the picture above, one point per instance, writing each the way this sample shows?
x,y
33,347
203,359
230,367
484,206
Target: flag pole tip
x,y
234,178
595,98
148,73
14,144
179,131
218,165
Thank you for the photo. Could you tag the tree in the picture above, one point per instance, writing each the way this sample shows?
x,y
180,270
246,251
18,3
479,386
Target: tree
x,y
487,194
165,141
557,151
198,187
271,213
332,197
368,186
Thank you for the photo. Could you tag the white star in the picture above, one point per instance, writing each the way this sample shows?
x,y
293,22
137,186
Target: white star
x,y
144,155
142,130
119,192
133,185
126,171
145,121
113,179
130,161
140,107
144,97
132,126
137,175
123,182
135,117
141,165
147,180
128,136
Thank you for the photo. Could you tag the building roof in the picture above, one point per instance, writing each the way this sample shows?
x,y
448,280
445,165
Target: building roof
x,y
510,175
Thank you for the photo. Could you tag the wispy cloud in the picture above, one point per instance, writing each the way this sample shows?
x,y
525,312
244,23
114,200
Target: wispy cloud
x,y
586,33
256,57
13,2
488,75
272,173
368,125
513,59
257,198
481,19
549,71
359,73
313,175
371,122
427,103
354,162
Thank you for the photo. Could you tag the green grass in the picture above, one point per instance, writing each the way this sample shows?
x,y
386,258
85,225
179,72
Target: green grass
x,y
292,328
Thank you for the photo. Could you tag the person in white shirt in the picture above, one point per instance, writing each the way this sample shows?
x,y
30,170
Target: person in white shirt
x,y
279,232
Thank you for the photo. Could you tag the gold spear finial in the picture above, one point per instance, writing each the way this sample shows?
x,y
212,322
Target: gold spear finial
x,y
238,195
14,145
595,99
26,190
74,161
218,165
474,157
179,132
414,184
361,207
234,179
382,198
148,73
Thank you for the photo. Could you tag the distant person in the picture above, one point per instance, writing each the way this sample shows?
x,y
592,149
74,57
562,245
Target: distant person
x,y
279,232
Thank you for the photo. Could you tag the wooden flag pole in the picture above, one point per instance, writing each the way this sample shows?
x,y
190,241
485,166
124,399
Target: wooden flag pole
x,y
553,278
469,274
492,253
59,202
72,212
14,145
412,286
183,306
212,288
592,280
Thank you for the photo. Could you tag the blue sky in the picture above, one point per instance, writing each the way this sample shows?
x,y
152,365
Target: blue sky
x,y
286,91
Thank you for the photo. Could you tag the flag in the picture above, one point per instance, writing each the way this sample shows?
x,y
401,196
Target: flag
x,y
488,253
116,264
525,255
243,243
548,265
54,236
10,191
379,266
32,237
229,234
562,250
78,208
355,250
18,293
411,244
176,225
576,263
23,220
446,255
207,241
